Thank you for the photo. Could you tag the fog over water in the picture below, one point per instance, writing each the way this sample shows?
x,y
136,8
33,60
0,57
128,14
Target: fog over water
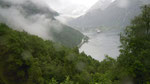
x,y
101,44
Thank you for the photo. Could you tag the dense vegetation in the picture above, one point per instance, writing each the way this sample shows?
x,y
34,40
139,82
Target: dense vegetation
x,y
56,31
27,59
135,52
67,36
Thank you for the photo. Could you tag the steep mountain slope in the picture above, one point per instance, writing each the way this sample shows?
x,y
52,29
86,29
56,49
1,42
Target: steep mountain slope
x,y
28,59
38,19
100,5
117,14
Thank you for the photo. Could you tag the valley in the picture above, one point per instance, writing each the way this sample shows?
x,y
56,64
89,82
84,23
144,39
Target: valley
x,y
102,43
74,41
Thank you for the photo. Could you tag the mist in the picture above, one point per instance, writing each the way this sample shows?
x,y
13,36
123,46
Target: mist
x,y
32,16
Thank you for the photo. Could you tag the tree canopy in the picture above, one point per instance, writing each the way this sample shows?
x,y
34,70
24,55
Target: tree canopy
x,y
28,59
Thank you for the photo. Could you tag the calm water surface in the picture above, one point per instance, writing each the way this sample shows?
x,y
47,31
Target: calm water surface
x,y
101,44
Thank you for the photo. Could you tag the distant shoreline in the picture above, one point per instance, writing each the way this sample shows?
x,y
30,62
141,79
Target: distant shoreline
x,y
84,40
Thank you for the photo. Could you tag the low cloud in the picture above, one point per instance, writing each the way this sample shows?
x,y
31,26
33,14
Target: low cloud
x,y
123,3
32,16
127,3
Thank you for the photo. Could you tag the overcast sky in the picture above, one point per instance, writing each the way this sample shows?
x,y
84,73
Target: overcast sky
x,y
71,8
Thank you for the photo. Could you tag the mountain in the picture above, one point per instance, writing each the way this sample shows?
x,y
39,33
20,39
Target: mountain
x,y
28,59
38,19
117,14
100,5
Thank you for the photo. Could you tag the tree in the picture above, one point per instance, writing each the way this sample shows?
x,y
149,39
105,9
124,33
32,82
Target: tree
x,y
135,52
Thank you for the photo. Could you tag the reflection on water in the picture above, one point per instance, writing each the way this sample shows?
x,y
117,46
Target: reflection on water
x,y
101,44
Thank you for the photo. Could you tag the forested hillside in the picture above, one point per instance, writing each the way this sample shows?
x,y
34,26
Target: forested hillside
x,y
28,59
38,19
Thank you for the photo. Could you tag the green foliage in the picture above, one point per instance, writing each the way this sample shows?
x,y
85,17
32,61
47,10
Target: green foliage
x,y
67,81
28,59
53,81
67,36
135,52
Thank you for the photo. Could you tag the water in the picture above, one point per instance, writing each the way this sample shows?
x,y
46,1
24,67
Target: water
x,y
101,44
